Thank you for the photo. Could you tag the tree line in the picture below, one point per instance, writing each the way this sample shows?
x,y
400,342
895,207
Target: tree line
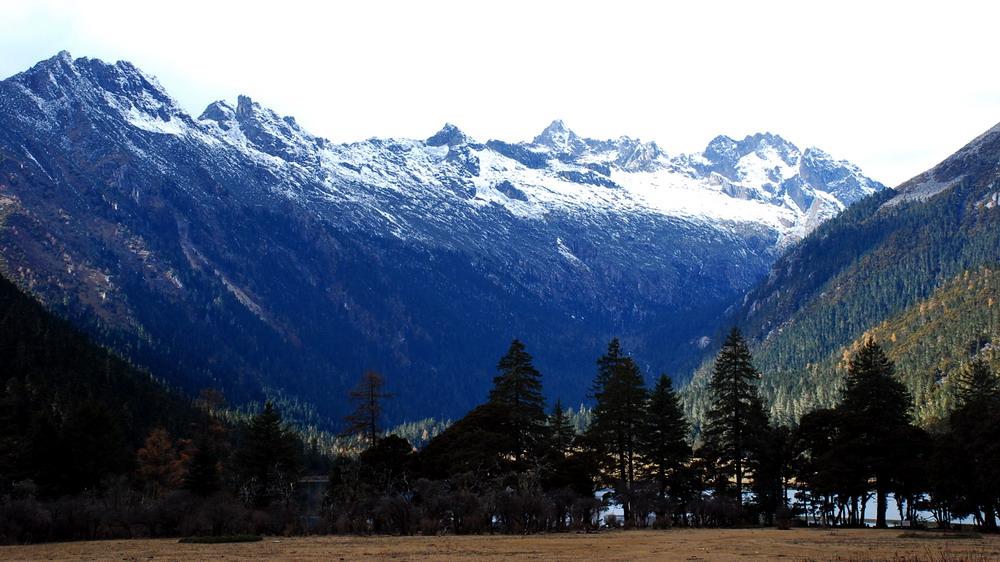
x,y
222,478
514,464
511,465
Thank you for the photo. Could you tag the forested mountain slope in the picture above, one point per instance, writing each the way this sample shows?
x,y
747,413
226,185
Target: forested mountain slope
x,y
884,262
66,402
929,342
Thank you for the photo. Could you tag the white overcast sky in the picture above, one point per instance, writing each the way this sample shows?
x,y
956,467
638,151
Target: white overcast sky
x,y
894,87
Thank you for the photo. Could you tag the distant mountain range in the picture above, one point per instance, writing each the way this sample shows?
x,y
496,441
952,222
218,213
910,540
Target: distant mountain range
x,y
237,250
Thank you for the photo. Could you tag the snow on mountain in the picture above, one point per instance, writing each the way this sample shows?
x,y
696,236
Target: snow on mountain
x,y
761,179
421,256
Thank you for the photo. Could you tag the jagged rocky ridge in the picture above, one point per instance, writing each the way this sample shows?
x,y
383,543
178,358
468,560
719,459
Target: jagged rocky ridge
x,y
237,249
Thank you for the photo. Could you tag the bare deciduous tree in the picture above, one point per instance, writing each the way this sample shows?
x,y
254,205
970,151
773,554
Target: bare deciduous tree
x,y
368,395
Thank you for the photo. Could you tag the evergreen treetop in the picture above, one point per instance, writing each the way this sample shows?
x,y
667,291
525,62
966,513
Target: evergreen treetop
x,y
736,419
269,460
562,429
517,390
872,393
619,417
977,383
605,365
518,384
664,442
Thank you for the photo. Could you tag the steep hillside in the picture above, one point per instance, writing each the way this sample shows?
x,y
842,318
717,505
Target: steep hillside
x,y
58,387
929,342
880,260
238,250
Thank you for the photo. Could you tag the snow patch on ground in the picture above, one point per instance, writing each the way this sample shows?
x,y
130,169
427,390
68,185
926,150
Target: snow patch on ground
x,y
146,122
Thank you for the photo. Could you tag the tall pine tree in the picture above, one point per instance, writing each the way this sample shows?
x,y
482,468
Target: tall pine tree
x,y
969,453
202,476
664,441
517,390
619,419
736,418
268,462
499,435
875,410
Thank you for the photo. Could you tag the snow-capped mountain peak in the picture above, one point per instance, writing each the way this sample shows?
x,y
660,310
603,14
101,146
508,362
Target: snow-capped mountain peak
x,y
449,135
760,178
264,241
560,139
767,168
223,114
56,85
275,135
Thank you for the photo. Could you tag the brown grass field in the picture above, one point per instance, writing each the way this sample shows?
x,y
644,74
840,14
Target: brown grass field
x,y
677,544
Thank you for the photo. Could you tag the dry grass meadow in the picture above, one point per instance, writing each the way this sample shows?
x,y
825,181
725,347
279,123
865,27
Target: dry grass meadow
x,y
678,544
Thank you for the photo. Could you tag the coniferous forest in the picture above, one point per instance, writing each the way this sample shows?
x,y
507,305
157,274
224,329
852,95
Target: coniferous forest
x,y
94,448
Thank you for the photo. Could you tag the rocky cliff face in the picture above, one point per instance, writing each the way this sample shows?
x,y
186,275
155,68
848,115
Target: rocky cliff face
x,y
238,250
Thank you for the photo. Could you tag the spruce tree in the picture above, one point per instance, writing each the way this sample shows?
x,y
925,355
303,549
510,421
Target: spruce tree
x,y
736,418
202,475
977,383
619,418
517,391
561,429
875,409
664,442
498,436
970,451
268,462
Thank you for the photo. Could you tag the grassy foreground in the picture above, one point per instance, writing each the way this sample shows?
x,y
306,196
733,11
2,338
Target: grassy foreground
x,y
680,544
